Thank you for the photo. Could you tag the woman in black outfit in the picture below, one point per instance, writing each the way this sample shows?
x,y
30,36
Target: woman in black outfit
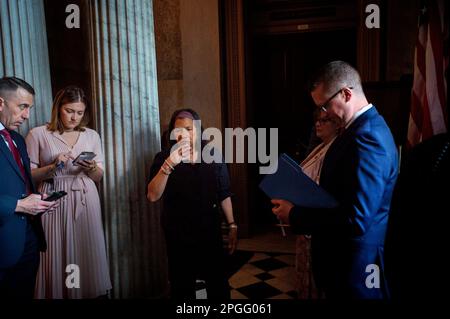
x,y
192,194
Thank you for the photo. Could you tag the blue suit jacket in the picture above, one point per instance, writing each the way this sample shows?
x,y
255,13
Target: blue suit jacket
x,y
360,170
13,187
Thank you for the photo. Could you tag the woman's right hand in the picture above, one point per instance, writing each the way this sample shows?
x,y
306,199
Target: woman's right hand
x,y
182,152
63,158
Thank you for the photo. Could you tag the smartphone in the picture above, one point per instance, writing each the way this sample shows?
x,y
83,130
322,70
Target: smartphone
x,y
84,156
55,196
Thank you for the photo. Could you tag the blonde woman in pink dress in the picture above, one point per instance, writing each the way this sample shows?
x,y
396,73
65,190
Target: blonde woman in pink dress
x,y
327,129
74,232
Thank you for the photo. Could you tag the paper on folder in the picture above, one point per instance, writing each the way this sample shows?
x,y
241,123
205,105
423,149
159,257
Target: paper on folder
x,y
290,183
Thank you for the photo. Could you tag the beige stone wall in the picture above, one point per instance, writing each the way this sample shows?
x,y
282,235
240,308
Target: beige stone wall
x,y
168,57
188,58
201,58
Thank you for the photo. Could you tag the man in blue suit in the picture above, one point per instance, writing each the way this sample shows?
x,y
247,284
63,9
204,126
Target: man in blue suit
x,y
21,233
360,170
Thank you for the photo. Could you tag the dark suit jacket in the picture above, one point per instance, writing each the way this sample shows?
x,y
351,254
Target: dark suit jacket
x,y
360,170
13,187
417,238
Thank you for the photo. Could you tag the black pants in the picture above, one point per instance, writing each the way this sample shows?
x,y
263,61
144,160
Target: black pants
x,y
19,280
204,261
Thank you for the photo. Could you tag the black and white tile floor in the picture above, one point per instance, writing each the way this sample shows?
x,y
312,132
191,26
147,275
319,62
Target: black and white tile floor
x,y
263,267
266,275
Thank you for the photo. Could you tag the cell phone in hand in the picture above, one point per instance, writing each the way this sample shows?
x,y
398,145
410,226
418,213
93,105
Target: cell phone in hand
x,y
84,156
55,196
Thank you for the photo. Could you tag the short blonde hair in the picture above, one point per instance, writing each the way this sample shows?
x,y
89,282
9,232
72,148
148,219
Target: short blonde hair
x,y
335,76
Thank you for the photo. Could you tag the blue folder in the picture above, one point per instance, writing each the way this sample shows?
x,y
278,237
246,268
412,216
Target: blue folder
x,y
290,183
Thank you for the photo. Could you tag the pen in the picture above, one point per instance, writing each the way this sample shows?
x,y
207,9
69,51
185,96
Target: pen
x,y
283,231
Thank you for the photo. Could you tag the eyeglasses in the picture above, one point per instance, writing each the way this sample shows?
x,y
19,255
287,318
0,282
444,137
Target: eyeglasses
x,y
324,107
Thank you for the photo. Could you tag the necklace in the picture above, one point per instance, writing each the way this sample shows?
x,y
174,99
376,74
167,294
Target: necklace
x,y
71,139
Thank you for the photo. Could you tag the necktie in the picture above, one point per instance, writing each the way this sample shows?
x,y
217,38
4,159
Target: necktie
x,y
16,155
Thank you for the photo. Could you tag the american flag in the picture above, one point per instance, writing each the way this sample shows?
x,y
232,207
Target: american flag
x,y
428,115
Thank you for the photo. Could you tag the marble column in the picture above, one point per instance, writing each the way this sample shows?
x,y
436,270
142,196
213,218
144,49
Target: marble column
x,y
127,118
24,53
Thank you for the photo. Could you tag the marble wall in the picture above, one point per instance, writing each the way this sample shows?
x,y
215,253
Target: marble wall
x,y
169,57
24,53
188,58
201,59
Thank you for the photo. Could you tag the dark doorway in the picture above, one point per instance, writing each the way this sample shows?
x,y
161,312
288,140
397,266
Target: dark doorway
x,y
69,49
279,67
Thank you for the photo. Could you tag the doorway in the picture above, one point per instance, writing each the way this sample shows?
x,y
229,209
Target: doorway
x,y
279,67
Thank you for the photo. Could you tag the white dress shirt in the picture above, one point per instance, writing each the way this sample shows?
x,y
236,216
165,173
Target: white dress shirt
x,y
3,138
358,114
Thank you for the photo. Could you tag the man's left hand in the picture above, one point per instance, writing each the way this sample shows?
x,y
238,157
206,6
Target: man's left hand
x,y
282,209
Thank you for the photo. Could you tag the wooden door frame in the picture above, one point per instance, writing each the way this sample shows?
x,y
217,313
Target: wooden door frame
x,y
234,97
234,89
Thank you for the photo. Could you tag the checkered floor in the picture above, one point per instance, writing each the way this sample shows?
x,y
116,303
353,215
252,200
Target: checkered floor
x,y
264,276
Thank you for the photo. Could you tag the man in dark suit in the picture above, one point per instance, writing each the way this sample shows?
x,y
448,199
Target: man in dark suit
x,y
417,237
360,170
21,233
